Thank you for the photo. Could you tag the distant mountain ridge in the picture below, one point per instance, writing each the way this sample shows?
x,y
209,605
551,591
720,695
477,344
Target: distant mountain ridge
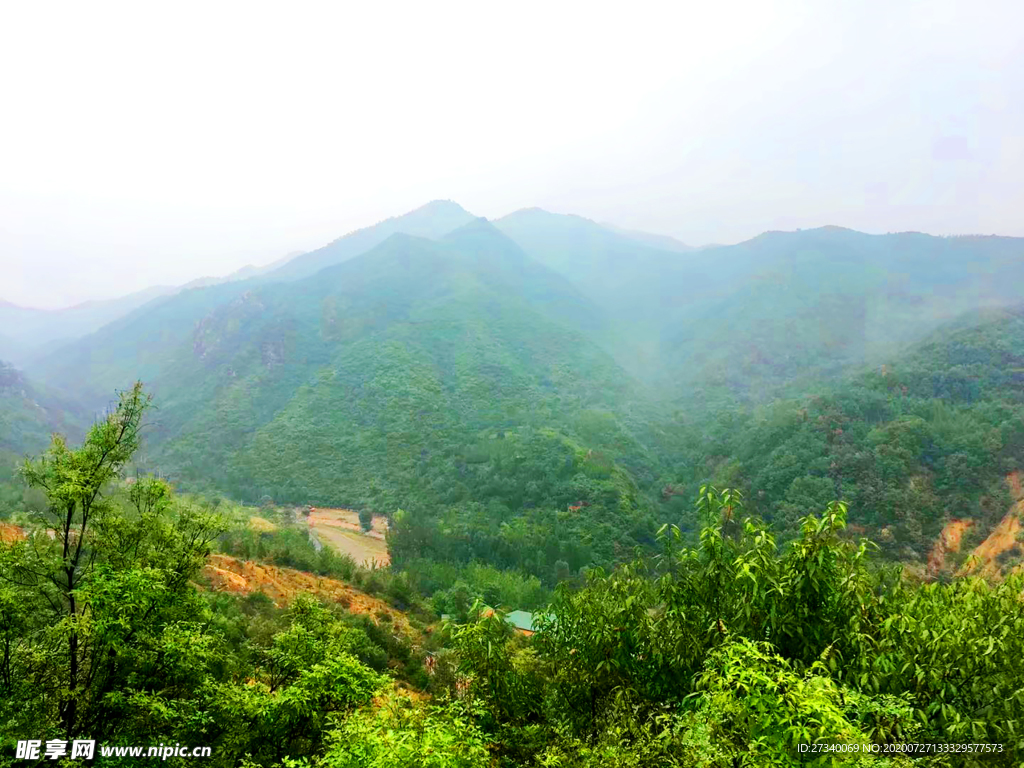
x,y
27,332
31,333
433,220
243,273
791,306
751,317
410,348
34,332
664,242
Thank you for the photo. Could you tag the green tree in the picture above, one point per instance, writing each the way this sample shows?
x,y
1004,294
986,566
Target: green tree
x,y
104,577
366,518
403,734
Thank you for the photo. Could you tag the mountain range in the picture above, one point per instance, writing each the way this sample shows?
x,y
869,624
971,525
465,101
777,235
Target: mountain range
x,y
428,360
29,333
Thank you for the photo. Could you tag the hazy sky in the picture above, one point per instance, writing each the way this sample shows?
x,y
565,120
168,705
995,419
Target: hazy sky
x,y
151,143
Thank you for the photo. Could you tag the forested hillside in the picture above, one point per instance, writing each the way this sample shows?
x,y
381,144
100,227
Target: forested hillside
x,y
30,413
441,377
555,390
534,407
925,438
932,436
137,342
776,313
802,307
122,626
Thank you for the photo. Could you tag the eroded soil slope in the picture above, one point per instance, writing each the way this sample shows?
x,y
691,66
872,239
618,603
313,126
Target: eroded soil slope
x,y
242,577
1002,550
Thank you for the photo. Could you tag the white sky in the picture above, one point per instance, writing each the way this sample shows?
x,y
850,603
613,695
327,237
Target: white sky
x,y
145,143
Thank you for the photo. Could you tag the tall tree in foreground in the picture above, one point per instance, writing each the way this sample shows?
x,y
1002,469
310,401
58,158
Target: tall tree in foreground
x,y
74,482
104,636
103,573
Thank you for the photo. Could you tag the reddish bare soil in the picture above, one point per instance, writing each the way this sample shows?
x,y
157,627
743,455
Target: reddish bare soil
x,y
1003,539
9,532
243,577
948,544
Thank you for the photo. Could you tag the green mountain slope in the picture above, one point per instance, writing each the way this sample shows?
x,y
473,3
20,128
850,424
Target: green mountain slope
x,y
429,375
928,437
380,383
413,337
29,333
138,342
637,285
775,313
138,345
802,306
29,414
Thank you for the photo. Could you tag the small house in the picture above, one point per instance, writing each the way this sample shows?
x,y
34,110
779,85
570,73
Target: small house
x,y
523,621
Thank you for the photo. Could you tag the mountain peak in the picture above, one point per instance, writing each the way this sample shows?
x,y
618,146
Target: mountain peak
x,y
431,221
530,213
446,214
439,206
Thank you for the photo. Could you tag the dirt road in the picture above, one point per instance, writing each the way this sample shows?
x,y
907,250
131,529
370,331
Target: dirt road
x,y
339,528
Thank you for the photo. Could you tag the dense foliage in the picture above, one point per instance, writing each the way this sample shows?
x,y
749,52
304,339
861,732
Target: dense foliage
x,y
478,398
104,634
730,651
735,653
477,380
910,445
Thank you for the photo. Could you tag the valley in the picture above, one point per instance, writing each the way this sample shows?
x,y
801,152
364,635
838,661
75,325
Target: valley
x,y
695,463
467,385
423,363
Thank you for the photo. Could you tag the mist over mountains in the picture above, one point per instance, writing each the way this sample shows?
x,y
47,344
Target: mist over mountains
x,y
726,471
29,333
379,370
